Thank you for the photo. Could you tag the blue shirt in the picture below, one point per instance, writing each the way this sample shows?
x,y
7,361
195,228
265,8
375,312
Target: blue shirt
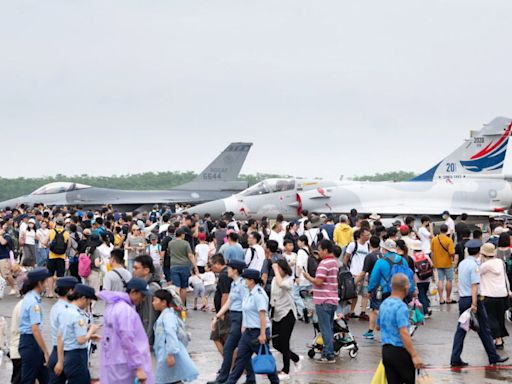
x,y
57,309
73,324
254,302
393,315
31,312
236,295
381,274
234,252
469,274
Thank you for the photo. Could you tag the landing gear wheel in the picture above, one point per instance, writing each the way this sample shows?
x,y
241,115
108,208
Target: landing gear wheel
x,y
353,353
311,353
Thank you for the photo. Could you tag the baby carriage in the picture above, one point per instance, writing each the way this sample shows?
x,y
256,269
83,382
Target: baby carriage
x,y
343,340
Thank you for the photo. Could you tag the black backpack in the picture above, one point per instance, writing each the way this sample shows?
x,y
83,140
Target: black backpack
x,y
59,244
312,264
346,285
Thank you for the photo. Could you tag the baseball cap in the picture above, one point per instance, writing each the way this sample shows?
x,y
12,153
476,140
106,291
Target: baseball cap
x,y
404,228
59,221
139,285
201,236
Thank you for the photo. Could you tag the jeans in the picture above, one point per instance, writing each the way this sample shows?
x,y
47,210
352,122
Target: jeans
x,y
423,296
42,256
484,333
325,313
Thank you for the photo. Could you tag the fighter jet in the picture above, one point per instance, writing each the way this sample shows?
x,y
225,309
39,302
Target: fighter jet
x,y
218,180
267,198
473,179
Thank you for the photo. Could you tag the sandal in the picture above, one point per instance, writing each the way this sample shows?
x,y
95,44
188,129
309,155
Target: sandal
x,y
442,302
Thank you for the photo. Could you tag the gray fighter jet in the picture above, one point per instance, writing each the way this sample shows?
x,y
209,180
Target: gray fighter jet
x,y
218,180
474,179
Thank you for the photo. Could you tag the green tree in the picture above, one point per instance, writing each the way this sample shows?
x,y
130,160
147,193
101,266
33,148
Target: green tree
x,y
387,176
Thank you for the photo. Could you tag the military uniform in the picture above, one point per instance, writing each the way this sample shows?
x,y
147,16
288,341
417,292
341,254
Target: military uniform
x,y
32,356
254,302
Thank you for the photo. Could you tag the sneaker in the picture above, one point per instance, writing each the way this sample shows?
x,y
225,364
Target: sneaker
x,y
325,360
364,317
427,316
12,292
353,316
283,376
298,364
368,335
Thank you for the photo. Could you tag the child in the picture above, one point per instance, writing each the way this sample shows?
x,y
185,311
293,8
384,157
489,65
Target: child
x,y
289,255
173,363
201,252
209,286
197,285
154,250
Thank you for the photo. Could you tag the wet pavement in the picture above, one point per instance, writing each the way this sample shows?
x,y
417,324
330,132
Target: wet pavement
x,y
433,342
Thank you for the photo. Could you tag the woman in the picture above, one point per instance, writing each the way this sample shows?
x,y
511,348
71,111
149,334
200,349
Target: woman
x,y
73,251
104,250
173,363
284,315
495,289
32,347
94,278
291,234
256,323
135,244
42,237
422,284
73,336
28,239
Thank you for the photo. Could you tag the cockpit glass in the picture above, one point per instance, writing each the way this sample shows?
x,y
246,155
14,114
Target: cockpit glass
x,y
58,187
269,186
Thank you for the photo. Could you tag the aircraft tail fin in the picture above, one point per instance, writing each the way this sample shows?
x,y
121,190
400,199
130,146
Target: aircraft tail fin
x,y
483,155
223,172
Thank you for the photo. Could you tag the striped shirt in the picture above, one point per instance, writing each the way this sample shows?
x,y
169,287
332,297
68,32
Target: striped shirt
x,y
327,293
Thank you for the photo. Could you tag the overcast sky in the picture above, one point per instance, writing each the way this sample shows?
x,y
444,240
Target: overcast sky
x,y
322,88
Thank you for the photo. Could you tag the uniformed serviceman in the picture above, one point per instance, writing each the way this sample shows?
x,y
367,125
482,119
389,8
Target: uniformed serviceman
x,y
32,348
234,305
469,292
73,336
256,322
64,286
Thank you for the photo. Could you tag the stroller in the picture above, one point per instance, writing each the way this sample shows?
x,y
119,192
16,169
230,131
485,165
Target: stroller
x,y
343,340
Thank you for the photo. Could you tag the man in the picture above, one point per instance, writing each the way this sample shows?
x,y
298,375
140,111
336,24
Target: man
x,y
277,235
170,235
255,255
443,252
460,249
469,291
354,258
6,246
182,258
144,269
343,234
425,235
327,228
405,232
325,297
271,256
124,352
304,215
118,276
220,234
233,250
448,221
398,353
58,243
220,334
461,227
369,262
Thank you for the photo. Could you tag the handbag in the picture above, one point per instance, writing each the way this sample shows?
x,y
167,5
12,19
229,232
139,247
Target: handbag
x,y
380,375
263,363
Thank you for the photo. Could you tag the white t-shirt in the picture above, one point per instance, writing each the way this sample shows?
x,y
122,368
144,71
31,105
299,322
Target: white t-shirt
x,y
208,278
104,252
424,235
279,237
44,235
202,254
163,228
357,258
301,264
451,225
154,252
29,237
257,260
291,259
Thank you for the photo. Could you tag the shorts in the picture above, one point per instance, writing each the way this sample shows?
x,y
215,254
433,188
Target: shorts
x,y
375,303
56,266
445,274
199,291
180,276
221,329
5,268
362,290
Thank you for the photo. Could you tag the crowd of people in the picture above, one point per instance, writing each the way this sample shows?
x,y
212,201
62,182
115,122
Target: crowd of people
x,y
264,276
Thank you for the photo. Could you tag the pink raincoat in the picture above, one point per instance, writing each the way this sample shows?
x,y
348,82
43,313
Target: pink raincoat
x,y
124,344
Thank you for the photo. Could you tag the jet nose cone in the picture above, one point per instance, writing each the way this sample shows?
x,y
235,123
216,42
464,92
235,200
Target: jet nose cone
x,y
215,208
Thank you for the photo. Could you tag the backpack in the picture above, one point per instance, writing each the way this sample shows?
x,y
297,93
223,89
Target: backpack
x,y
84,265
153,216
59,244
356,246
423,268
346,285
400,266
312,264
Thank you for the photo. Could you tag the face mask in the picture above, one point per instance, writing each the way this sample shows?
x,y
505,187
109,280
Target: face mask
x,y
244,283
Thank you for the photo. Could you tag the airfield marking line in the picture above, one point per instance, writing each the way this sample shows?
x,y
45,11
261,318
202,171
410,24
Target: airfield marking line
x,y
433,369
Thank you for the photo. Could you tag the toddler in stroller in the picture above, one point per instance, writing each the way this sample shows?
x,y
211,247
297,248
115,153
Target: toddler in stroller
x,y
343,339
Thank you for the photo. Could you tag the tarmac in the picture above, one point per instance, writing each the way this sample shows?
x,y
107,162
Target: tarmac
x,y
432,340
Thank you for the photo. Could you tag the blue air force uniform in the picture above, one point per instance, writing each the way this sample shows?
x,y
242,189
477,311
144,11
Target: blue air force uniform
x,y
32,356
255,301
